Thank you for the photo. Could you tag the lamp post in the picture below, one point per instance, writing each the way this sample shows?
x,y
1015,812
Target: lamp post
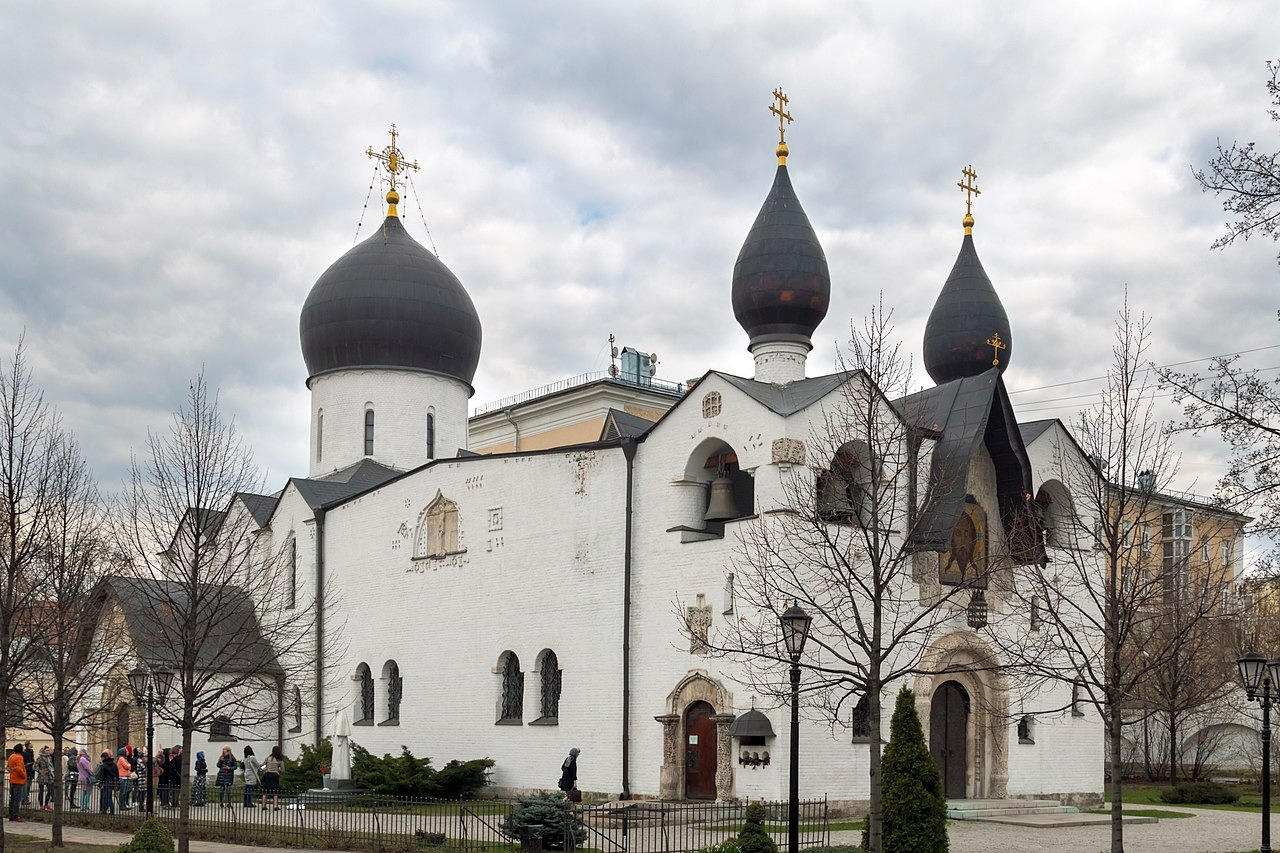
x,y
1260,679
795,631
148,695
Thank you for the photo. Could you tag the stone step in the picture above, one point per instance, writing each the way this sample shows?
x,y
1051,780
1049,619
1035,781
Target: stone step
x,y
997,809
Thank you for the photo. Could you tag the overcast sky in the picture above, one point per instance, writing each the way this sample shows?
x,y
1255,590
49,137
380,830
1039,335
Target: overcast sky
x,y
175,176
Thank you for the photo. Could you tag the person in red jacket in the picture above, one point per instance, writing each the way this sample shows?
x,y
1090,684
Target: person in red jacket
x,y
17,780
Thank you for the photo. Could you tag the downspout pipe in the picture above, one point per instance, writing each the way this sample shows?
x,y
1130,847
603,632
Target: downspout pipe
x,y
629,452
319,733
515,443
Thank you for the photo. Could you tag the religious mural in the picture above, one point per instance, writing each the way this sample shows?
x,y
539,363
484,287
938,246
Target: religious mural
x,y
965,559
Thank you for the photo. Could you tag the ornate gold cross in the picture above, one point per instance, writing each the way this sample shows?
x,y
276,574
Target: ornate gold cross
x,y
392,160
780,110
970,187
996,345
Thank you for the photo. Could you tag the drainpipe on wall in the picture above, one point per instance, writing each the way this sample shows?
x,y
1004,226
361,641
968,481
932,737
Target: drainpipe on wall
x,y
515,445
319,734
629,451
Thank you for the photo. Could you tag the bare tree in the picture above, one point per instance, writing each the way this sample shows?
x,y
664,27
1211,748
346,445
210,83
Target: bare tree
x,y
1112,613
67,673
208,599
29,440
841,547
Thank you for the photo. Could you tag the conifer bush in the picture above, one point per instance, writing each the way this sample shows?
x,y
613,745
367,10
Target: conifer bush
x,y
913,808
754,838
553,813
152,837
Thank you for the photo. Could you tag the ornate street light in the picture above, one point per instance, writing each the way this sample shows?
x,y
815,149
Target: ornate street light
x,y
1260,678
795,633
148,695
978,610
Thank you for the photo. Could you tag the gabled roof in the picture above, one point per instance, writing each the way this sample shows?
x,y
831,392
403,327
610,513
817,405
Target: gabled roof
x,y
1031,430
230,637
330,488
619,424
790,398
970,412
259,506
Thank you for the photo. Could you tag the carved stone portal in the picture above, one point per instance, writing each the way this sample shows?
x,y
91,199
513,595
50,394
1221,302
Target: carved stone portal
x,y
724,756
697,686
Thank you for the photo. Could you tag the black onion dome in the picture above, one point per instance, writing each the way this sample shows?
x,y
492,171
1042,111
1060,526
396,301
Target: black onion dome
x,y
389,302
781,285
967,314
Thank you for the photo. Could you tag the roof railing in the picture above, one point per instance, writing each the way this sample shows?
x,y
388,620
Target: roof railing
x,y
661,385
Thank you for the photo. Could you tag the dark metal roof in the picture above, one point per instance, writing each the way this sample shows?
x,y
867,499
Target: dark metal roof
x,y
230,639
968,312
260,506
1034,429
970,412
389,302
618,424
790,398
781,284
340,485
751,724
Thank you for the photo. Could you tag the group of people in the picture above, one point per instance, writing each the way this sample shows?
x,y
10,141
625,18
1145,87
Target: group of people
x,y
121,779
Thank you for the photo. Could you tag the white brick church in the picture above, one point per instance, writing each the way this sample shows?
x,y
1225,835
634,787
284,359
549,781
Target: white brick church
x,y
517,603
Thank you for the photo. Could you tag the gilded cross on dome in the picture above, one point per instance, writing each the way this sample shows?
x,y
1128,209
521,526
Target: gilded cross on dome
x,y
996,345
392,160
784,118
970,187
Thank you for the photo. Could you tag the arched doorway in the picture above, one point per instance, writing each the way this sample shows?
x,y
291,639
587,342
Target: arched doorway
x,y
122,726
948,730
700,752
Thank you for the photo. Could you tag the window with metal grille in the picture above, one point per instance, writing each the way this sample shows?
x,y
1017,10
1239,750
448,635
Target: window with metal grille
x,y
220,729
431,435
549,676
861,723
365,677
291,594
368,432
395,690
512,707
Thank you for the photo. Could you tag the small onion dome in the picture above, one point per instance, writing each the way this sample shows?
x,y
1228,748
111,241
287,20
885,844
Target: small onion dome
x,y
751,724
781,285
964,321
389,302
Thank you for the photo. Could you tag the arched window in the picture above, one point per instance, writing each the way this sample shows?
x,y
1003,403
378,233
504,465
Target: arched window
x,y
1057,518
549,687
844,490
511,703
438,534
711,404
368,432
122,724
1027,730
365,677
320,435
395,690
861,722
431,434
291,594
220,729
296,710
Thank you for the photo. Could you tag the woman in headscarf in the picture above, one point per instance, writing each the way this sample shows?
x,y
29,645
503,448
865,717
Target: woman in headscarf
x,y
569,771
200,792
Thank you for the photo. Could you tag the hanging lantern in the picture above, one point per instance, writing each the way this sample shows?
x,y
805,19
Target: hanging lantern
x,y
978,610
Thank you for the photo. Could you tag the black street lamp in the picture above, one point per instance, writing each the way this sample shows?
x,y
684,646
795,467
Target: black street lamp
x,y
795,631
148,697
1260,680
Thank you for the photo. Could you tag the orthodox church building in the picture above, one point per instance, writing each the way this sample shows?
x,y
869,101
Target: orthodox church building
x,y
517,603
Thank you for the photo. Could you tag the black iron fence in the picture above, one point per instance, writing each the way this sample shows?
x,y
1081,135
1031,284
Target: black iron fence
x,y
377,823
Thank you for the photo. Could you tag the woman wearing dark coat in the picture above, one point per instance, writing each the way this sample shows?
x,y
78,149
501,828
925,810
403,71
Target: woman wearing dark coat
x,y
173,776
226,775
569,771
108,777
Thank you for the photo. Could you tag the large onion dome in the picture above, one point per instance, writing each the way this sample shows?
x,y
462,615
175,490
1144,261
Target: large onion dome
x,y
968,329
389,302
781,285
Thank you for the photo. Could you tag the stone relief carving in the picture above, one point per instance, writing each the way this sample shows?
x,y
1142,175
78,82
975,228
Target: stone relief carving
x,y
788,451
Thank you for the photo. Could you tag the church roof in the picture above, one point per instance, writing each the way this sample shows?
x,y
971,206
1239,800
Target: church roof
x,y
618,423
970,412
259,506
1031,430
342,484
966,317
230,637
389,302
790,398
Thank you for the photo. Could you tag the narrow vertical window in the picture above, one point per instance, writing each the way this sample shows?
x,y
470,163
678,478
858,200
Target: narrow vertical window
x,y
291,595
320,435
368,432
431,435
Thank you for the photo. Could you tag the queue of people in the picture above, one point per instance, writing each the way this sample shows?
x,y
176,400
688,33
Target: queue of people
x,y
119,781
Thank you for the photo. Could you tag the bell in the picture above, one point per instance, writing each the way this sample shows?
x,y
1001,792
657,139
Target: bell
x,y
721,507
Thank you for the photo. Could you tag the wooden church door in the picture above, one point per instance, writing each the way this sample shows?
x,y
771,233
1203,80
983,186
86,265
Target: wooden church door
x,y
700,753
948,727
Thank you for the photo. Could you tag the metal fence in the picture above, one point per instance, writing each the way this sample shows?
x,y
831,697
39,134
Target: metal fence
x,y
378,823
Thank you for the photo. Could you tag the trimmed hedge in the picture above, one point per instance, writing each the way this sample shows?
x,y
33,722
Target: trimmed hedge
x,y
754,838
1199,792
152,837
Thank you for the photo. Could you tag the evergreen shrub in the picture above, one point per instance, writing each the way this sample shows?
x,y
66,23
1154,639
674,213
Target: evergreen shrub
x,y
1199,792
913,809
754,838
405,775
152,837
304,772
553,813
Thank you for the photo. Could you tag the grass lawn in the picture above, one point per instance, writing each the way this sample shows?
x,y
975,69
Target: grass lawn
x,y
781,829
1149,795
27,844
1160,813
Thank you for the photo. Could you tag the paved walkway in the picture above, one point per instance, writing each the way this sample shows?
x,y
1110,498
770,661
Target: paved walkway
x,y
80,835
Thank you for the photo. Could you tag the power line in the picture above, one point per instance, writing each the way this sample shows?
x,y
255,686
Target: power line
x,y
1026,407
1148,369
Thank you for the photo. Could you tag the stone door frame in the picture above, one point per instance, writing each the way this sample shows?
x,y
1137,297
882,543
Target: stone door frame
x,y
697,686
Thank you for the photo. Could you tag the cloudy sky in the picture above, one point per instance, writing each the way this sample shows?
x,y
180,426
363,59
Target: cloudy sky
x,y
176,175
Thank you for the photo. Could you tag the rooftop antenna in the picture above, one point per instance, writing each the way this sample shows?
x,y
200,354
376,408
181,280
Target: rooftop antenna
x,y
613,356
